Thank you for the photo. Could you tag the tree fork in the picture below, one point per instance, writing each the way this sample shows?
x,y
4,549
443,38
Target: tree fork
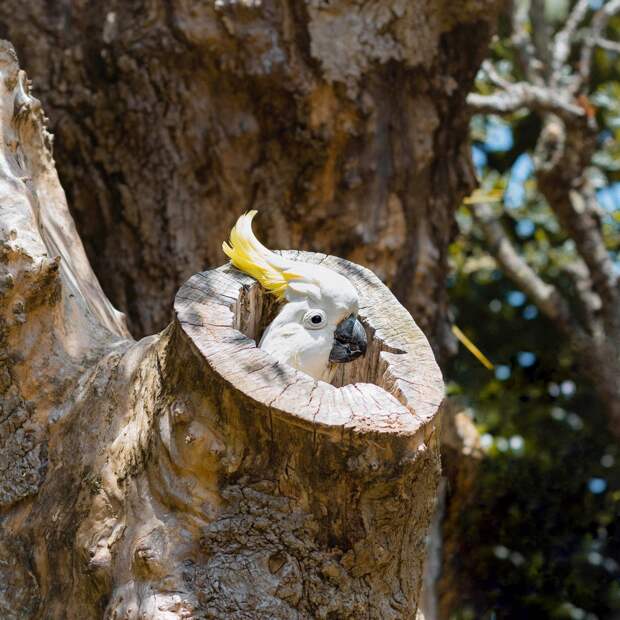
x,y
188,474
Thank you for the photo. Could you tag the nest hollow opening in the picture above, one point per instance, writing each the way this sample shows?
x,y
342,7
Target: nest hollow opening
x,y
257,308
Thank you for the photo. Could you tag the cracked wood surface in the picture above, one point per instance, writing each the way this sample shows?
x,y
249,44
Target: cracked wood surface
x,y
54,317
358,457
409,387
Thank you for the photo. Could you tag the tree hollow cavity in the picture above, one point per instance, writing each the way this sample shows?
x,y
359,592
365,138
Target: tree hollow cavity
x,y
395,387
257,308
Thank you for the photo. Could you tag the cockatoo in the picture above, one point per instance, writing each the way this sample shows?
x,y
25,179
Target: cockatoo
x,y
317,324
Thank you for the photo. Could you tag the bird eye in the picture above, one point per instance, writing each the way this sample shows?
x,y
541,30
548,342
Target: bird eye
x,y
315,319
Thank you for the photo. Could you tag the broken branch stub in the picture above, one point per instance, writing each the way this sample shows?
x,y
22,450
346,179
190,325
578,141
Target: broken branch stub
x,y
329,487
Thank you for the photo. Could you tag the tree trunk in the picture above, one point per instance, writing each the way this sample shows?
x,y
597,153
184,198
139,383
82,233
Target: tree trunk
x,y
344,123
189,475
461,455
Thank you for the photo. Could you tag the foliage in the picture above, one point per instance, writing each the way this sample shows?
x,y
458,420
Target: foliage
x,y
542,539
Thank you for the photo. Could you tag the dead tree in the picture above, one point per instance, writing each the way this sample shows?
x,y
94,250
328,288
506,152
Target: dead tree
x,y
557,87
188,474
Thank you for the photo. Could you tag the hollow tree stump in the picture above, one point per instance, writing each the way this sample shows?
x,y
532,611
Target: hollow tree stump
x,y
326,491
188,475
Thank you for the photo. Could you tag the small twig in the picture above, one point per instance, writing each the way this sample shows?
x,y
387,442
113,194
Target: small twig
x,y
606,44
494,76
594,34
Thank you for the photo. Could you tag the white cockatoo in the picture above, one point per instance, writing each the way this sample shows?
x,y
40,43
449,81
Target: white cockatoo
x,y
317,323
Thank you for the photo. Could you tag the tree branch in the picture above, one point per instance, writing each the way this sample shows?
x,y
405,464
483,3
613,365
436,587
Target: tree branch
x,y
596,355
563,152
521,39
607,45
576,211
541,35
562,40
524,95
589,300
544,295
494,76
594,33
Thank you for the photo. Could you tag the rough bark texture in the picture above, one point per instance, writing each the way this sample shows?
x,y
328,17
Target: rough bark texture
x,y
189,475
342,122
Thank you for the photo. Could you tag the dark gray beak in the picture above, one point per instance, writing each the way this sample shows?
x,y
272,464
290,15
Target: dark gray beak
x,y
349,341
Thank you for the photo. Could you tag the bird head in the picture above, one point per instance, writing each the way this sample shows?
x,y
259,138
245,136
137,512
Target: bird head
x,y
317,322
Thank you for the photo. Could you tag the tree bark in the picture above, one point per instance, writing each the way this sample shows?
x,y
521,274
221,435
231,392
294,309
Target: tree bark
x,y
461,456
343,123
189,475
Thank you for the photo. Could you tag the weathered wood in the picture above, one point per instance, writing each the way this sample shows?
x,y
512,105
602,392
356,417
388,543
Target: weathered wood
x,y
188,475
54,317
399,359
357,458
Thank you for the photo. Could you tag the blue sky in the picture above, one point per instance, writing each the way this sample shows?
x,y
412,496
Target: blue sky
x,y
499,139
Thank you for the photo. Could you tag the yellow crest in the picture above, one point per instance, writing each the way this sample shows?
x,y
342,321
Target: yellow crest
x,y
249,255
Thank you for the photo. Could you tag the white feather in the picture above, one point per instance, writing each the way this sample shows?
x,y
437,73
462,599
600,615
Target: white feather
x,y
291,338
290,341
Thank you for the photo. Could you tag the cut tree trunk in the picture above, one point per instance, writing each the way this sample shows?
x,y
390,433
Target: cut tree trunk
x,y
189,475
344,123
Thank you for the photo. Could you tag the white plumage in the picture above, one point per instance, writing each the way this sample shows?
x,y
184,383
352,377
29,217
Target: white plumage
x,y
318,323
